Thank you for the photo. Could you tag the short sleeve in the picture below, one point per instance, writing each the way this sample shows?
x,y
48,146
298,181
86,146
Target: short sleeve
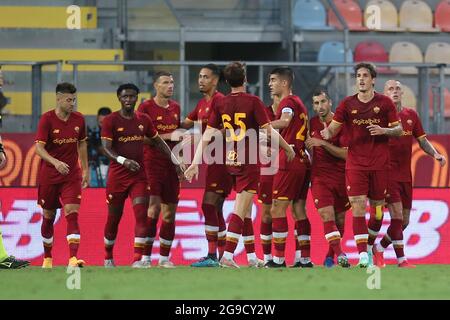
x,y
392,114
418,131
340,116
260,114
214,119
83,135
43,130
107,129
193,115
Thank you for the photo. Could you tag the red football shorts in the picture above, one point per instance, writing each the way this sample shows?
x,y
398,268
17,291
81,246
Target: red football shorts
x,y
290,185
328,193
400,192
265,189
118,192
371,183
54,196
248,181
218,180
164,183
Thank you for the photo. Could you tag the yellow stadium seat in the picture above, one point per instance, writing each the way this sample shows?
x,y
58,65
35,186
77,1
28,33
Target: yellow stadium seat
x,y
388,15
403,51
151,16
409,98
62,54
45,17
88,102
438,52
416,15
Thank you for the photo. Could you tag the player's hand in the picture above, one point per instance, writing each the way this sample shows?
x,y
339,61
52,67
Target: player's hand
x,y
325,133
439,157
290,155
2,160
62,168
85,179
132,165
191,172
313,142
376,130
181,168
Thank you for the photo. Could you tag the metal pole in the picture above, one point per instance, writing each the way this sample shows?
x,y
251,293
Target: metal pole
x,y
423,98
441,109
261,82
75,80
59,72
346,54
36,95
187,92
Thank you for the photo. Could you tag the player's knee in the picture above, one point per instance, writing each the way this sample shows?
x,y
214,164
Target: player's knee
x,y
327,213
154,210
168,218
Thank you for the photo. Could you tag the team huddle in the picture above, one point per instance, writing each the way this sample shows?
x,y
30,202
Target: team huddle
x,y
361,152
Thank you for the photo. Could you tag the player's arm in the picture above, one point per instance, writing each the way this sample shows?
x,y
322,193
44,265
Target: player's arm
x,y
429,149
330,131
60,166
395,130
113,156
335,151
207,136
82,152
284,120
164,148
272,133
187,124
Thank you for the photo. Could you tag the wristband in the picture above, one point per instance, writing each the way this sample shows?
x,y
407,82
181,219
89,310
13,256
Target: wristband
x,y
121,160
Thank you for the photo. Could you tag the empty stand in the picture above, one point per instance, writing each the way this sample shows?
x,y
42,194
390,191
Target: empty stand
x,y
350,11
310,15
405,52
334,52
438,52
416,15
409,98
372,51
388,15
446,102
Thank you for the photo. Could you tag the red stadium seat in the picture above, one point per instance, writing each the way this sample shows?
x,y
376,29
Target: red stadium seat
x,y
372,51
442,16
350,11
446,102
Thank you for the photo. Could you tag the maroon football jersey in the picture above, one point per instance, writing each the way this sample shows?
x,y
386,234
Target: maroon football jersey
x,y
61,142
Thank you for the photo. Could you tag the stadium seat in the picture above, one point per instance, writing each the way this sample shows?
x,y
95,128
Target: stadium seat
x,y
309,15
350,11
409,98
48,17
403,51
446,102
62,54
438,52
442,16
372,51
416,15
388,15
334,51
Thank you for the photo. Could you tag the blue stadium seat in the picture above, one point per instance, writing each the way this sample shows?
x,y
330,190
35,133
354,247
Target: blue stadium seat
x,y
310,15
334,51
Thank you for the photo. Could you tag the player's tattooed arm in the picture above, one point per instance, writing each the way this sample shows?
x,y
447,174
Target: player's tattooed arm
x,y
2,154
61,167
113,156
330,131
428,148
395,131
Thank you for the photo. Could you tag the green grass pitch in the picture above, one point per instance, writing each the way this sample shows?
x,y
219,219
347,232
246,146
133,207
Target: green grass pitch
x,y
182,283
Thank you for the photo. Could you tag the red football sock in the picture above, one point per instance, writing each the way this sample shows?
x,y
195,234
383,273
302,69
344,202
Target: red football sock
x,y
234,232
304,237
111,227
73,233
140,229
211,227
333,237
360,233
47,235
266,237
280,232
166,236
396,234
249,236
